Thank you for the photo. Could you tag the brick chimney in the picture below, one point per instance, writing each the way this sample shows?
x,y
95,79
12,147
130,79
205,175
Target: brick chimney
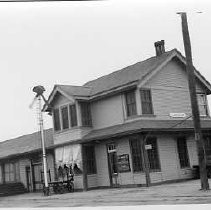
x,y
159,47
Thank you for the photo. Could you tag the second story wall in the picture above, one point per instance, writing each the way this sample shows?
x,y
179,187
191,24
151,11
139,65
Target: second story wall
x,y
107,112
170,92
72,133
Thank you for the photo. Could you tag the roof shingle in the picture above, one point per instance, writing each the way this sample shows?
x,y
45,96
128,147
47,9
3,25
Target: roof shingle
x,y
25,144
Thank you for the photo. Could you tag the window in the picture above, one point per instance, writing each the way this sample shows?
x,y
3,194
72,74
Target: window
x,y
136,155
153,154
182,152
202,103
146,101
73,115
56,117
130,103
86,114
207,144
90,160
1,178
154,163
65,118
11,172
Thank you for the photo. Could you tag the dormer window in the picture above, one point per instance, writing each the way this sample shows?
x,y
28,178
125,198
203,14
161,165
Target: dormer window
x,y
73,115
65,118
56,120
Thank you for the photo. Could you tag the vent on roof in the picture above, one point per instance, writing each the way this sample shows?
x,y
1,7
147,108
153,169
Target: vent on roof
x,y
159,47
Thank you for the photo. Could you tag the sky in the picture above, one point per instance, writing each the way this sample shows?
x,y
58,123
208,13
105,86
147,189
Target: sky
x,y
48,43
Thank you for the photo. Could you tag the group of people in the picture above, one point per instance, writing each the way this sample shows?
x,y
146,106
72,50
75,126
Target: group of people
x,y
65,172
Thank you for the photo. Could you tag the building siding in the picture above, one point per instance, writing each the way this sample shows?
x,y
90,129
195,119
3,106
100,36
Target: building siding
x,y
107,112
170,92
1,178
102,165
22,164
78,182
92,180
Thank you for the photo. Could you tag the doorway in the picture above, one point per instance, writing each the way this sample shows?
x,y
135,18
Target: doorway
x,y
112,164
28,179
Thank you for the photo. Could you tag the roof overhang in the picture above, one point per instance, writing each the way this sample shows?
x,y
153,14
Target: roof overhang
x,y
56,89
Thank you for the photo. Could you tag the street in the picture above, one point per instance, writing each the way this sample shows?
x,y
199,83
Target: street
x,y
177,193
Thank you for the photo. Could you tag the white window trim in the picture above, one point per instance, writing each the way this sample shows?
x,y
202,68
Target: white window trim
x,y
205,104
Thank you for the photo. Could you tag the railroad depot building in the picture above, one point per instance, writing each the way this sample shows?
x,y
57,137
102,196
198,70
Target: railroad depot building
x,y
112,129
21,162
115,127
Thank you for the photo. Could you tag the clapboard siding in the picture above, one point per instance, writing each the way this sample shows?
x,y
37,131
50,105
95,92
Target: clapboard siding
x,y
123,147
192,151
92,180
50,164
22,164
102,165
170,92
107,112
78,182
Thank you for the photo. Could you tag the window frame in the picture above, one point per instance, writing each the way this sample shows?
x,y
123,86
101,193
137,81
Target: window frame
x,y
67,117
130,105
158,168
13,174
73,118
86,115
59,120
146,103
137,165
207,145
204,105
183,163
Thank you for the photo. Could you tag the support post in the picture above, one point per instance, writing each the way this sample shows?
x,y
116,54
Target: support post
x,y
145,161
84,168
194,103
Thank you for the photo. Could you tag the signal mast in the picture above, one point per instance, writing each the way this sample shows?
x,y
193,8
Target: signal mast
x,y
38,97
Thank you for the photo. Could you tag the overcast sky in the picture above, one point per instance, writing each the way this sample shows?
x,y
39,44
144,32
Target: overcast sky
x,y
74,42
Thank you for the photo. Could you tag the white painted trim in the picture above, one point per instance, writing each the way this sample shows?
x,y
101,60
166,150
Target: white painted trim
x,y
155,71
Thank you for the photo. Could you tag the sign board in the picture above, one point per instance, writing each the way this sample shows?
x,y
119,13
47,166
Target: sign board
x,y
177,115
148,146
123,163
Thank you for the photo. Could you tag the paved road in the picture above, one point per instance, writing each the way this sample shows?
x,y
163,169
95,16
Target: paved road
x,y
178,193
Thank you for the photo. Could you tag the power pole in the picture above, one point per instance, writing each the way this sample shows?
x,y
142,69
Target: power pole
x,y
194,104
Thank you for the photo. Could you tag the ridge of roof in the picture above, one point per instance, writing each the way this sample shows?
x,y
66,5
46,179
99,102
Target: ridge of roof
x,y
117,71
123,76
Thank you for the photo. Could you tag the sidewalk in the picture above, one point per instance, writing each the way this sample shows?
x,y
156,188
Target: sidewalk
x,y
178,193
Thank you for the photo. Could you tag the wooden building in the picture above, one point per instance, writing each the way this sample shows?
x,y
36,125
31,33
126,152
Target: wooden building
x,y
138,119
21,161
129,128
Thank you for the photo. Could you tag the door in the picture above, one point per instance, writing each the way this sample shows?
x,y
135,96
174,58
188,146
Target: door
x,y
112,164
28,179
37,169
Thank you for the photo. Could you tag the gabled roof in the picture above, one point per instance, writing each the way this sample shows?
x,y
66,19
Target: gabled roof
x,y
126,75
25,144
75,90
134,74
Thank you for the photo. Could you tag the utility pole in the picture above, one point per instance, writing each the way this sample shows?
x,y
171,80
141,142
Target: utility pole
x,y
194,104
